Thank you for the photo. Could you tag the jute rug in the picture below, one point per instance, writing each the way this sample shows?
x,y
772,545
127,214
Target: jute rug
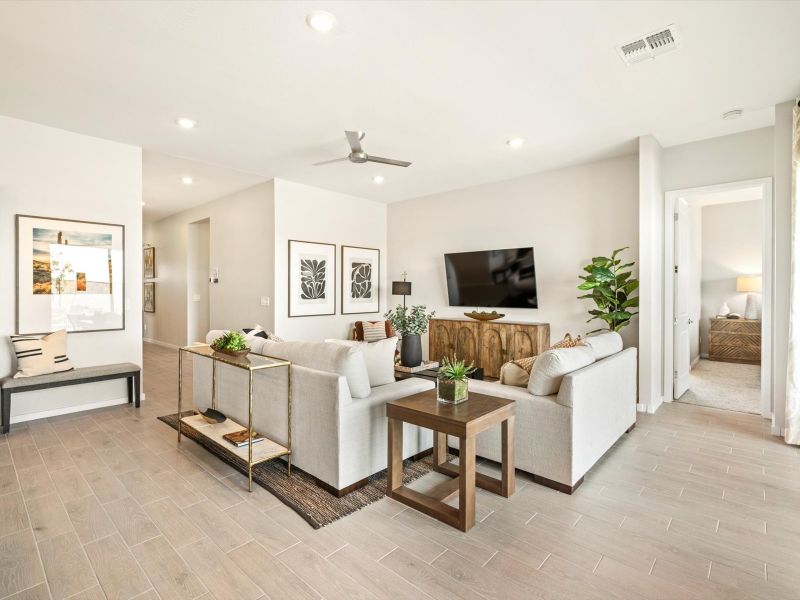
x,y
300,492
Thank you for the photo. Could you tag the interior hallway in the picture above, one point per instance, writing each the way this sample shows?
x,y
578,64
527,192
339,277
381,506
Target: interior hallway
x,y
728,386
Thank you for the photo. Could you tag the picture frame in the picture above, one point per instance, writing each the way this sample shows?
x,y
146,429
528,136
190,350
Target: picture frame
x,y
149,262
312,279
70,274
360,280
149,297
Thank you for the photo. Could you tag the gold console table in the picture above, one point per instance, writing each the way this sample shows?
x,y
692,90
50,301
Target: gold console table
x,y
250,454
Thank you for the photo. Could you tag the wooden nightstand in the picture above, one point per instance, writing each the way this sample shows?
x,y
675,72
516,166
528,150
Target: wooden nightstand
x,y
735,340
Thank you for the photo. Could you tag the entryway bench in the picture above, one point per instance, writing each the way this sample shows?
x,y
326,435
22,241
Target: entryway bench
x,y
128,371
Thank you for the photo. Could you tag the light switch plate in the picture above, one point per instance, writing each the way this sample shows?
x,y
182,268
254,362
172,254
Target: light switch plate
x,y
264,300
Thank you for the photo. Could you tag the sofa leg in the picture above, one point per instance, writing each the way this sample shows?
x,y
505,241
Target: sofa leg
x,y
555,485
629,429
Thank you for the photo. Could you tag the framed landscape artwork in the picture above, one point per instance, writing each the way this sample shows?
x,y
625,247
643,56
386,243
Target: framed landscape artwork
x,y
149,262
149,297
70,275
312,279
361,275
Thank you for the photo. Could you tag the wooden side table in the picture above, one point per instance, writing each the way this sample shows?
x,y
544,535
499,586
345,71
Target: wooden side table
x,y
465,421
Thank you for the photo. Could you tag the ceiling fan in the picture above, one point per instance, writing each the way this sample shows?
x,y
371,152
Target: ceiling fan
x,y
357,154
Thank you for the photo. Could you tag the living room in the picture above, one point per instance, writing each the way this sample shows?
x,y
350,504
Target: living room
x,y
254,359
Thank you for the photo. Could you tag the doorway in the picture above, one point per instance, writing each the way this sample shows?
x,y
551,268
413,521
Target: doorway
x,y
198,260
717,296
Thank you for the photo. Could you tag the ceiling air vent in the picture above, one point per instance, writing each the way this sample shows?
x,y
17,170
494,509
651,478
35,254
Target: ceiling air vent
x,y
650,45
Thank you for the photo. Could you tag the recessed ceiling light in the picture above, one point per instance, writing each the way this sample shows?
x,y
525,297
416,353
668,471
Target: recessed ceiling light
x,y
186,122
378,179
732,114
321,21
515,142
186,180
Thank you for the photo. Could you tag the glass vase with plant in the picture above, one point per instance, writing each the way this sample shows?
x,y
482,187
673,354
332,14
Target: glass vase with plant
x,y
231,342
610,284
452,385
410,323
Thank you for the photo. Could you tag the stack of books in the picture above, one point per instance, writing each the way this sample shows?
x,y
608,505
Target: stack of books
x,y
239,438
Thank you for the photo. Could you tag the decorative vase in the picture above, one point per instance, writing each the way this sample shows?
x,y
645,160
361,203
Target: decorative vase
x,y
411,351
753,308
724,310
452,391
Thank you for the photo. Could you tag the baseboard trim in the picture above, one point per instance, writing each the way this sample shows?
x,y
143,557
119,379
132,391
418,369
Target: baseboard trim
x,y
66,410
160,343
695,361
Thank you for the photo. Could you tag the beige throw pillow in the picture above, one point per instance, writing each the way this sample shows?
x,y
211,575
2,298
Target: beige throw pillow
x,y
551,366
513,374
568,342
374,332
41,355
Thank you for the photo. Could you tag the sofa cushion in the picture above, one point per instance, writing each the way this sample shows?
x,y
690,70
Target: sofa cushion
x,y
551,366
511,373
347,361
604,344
378,357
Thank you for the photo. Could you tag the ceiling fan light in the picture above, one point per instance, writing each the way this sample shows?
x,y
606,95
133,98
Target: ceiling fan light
x,y
321,21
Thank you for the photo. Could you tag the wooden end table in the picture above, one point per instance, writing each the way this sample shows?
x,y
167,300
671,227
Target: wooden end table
x,y
465,421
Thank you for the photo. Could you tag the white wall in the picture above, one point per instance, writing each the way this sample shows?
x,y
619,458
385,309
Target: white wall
x,y
198,288
568,216
54,173
241,246
731,246
313,214
651,307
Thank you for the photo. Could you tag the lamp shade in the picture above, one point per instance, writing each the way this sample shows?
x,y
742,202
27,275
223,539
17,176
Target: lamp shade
x,y
401,288
748,283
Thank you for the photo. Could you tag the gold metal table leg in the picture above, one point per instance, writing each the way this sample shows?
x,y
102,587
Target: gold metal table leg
x,y
289,414
250,432
180,390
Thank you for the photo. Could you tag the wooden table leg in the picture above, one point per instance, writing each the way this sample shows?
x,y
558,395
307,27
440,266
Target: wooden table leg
x,y
466,483
508,479
394,478
439,448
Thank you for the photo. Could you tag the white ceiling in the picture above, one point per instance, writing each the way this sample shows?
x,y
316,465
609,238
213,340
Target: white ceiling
x,y
443,84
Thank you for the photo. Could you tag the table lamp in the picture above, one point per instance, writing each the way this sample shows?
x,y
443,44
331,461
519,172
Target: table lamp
x,y
402,288
752,285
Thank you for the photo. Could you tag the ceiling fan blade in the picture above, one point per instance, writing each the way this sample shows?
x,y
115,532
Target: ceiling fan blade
x,y
354,139
327,162
388,161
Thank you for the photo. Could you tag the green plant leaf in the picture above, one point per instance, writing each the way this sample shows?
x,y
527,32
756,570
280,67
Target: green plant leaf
x,y
631,302
603,275
617,251
600,261
621,277
588,285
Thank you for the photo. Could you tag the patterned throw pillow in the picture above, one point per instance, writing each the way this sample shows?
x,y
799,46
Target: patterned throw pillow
x,y
374,332
41,355
525,363
568,342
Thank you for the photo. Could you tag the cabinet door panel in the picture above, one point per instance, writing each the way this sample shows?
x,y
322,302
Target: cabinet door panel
x,y
439,340
466,347
493,349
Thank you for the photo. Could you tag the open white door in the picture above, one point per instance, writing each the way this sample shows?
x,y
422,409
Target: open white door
x,y
681,344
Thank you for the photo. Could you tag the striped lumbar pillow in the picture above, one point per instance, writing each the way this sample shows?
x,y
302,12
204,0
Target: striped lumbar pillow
x,y
374,332
41,355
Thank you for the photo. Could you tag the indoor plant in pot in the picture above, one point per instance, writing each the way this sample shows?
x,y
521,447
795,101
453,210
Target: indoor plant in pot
x,y
452,385
610,284
410,323
231,342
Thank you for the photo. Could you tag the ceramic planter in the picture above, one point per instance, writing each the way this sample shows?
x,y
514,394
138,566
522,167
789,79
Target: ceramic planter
x,y
452,391
410,351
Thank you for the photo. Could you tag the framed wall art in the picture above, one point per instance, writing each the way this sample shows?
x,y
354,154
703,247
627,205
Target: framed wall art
x,y
361,275
312,279
149,262
70,275
149,297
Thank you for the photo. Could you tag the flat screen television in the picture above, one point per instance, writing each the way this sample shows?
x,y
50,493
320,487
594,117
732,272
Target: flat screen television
x,y
492,278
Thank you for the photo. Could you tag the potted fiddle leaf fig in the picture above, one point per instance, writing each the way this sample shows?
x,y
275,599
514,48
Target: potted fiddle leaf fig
x,y
453,384
610,285
410,323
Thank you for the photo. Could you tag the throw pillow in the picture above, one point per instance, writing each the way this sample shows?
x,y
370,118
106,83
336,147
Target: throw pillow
x,y
258,331
525,363
568,342
358,329
551,366
41,355
513,374
374,332
604,344
378,356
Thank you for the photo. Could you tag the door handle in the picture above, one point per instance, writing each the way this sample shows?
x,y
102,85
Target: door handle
x,y
690,321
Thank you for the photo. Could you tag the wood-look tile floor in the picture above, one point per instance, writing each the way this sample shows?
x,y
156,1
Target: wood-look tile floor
x,y
694,504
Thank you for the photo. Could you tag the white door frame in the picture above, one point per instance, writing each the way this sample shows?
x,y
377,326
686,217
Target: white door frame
x,y
767,270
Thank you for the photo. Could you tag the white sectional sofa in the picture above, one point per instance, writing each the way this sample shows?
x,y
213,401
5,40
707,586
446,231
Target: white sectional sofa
x,y
338,436
559,437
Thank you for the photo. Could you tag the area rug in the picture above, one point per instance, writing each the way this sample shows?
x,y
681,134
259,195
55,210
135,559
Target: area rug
x,y
728,386
300,492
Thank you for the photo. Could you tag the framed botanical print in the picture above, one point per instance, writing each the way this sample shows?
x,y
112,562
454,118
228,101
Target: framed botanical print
x,y
361,275
149,262
312,279
149,297
70,275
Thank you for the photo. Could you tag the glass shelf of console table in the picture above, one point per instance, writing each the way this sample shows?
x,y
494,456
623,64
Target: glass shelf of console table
x,y
250,454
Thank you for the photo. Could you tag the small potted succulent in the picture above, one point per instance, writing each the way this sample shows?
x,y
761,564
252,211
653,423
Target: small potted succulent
x,y
452,381
231,342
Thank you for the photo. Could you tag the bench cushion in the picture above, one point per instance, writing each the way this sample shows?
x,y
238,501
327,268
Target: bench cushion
x,y
67,376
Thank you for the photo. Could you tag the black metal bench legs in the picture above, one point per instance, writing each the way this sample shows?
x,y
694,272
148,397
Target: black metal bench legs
x,y
6,410
134,389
